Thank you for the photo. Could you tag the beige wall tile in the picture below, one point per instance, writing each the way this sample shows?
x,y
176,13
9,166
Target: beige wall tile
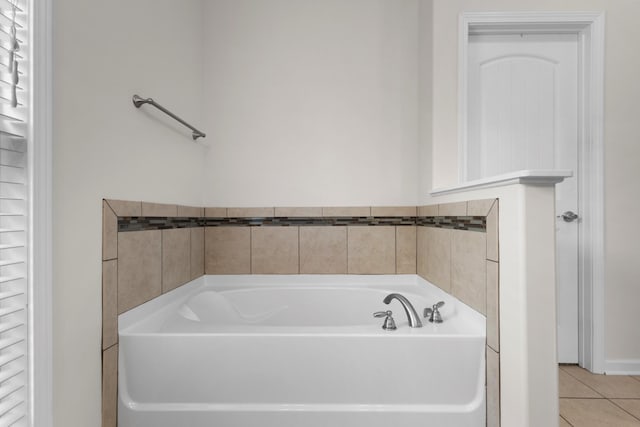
x,y
468,268
347,211
394,211
493,233
159,209
139,268
452,209
250,212
431,210
176,258
197,252
109,232
190,211
493,388
595,413
109,303
215,212
406,249
421,251
110,387
227,250
125,208
323,250
479,207
493,305
438,269
371,250
299,212
274,250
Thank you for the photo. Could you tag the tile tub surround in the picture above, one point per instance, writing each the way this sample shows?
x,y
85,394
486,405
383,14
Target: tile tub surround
x,y
136,267
465,264
151,248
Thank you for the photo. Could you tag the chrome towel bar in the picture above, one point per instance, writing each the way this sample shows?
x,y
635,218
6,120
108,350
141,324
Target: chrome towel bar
x,y
139,101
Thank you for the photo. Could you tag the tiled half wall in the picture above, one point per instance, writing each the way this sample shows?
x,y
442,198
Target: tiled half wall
x,y
150,248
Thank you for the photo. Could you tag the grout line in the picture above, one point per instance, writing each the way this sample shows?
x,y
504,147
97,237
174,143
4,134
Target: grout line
x,y
618,406
190,256
298,249
161,262
584,398
395,248
347,227
586,385
251,250
566,421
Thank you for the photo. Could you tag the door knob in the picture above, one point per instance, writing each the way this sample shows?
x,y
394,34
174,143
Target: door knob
x,y
568,216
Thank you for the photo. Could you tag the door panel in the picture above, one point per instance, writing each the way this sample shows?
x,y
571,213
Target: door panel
x,y
523,114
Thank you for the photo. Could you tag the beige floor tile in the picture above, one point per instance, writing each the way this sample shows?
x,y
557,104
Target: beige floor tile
x,y
595,413
632,406
571,387
563,423
637,377
610,386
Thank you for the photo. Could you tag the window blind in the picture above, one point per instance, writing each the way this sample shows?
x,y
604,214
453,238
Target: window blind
x,y
14,113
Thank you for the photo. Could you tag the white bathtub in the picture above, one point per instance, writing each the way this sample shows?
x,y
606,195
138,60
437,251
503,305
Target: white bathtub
x,y
299,351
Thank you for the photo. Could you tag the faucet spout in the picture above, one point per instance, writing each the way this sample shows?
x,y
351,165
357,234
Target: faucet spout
x,y
412,315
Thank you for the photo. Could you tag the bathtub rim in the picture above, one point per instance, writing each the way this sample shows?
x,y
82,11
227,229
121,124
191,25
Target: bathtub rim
x,y
408,283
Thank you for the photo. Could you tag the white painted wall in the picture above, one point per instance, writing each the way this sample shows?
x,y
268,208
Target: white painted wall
x,y
622,153
311,102
305,103
426,98
103,147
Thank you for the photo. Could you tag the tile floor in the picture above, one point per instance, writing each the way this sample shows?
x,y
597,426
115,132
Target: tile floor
x,y
589,400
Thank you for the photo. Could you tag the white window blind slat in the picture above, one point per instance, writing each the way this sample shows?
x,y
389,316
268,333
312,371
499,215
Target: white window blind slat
x,y
13,218
6,408
6,312
13,419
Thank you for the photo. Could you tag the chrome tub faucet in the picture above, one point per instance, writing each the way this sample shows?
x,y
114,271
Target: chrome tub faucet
x,y
412,315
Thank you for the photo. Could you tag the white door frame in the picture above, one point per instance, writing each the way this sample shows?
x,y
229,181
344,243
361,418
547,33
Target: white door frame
x,y
40,165
590,29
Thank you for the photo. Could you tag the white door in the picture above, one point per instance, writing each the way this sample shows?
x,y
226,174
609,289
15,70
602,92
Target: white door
x,y
523,114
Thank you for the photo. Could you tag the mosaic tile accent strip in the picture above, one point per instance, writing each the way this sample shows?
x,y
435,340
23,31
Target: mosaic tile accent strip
x,y
471,223
141,223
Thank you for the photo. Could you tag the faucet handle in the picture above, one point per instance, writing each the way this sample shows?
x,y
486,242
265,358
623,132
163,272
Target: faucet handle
x,y
389,324
433,314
